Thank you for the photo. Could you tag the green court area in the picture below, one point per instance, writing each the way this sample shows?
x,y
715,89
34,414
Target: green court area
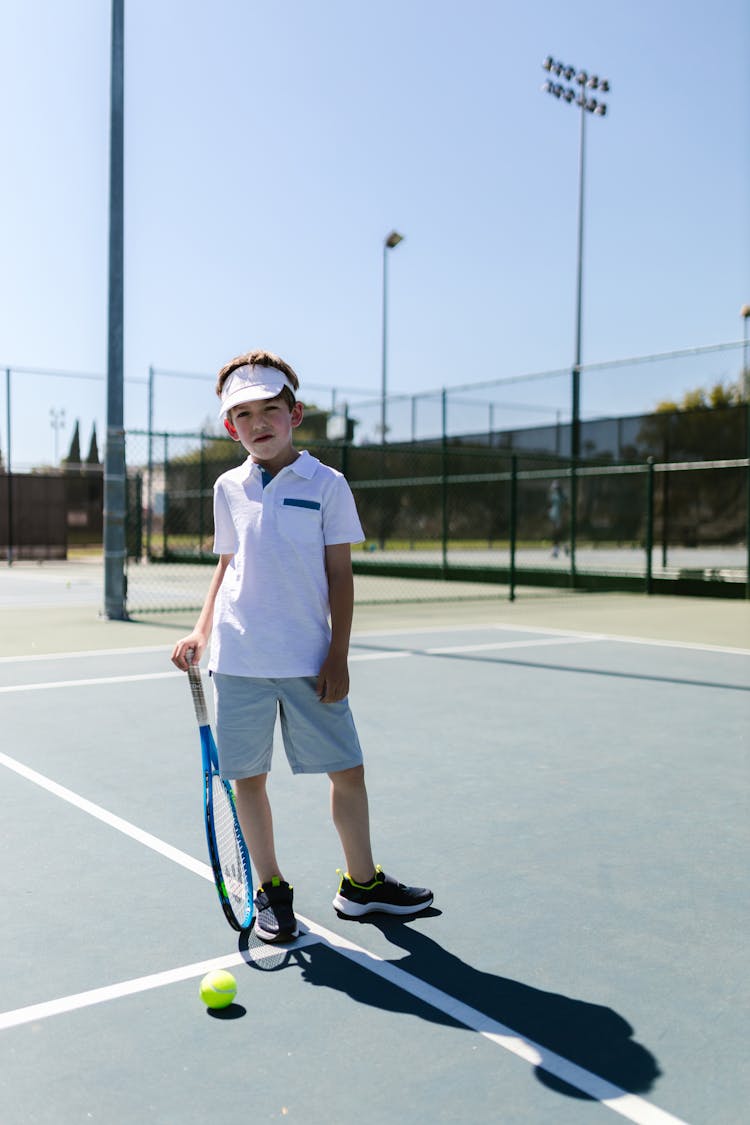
x,y
568,772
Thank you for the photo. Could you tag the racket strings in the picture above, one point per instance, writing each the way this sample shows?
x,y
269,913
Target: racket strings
x,y
231,856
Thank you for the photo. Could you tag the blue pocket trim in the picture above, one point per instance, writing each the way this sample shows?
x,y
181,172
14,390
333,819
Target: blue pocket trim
x,y
290,503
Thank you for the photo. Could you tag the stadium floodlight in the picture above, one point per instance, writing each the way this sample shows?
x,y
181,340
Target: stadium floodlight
x,y
597,108
587,105
391,240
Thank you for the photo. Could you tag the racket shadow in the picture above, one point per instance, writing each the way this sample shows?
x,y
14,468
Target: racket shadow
x,y
267,957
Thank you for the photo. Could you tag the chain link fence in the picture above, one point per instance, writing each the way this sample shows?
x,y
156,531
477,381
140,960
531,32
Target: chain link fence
x,y
463,517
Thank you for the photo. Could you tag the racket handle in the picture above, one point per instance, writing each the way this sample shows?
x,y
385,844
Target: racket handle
x,y
196,690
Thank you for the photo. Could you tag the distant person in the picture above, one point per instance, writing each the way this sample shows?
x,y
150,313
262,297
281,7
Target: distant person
x,y
278,613
557,501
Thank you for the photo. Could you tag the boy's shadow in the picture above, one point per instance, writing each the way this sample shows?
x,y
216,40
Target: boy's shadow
x,y
590,1035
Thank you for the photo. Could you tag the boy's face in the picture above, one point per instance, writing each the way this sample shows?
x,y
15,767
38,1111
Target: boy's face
x,y
264,428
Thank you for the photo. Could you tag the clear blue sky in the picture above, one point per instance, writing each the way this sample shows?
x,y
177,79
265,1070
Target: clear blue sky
x,y
271,147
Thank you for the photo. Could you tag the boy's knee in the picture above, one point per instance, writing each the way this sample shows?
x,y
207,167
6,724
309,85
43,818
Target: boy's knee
x,y
351,778
252,784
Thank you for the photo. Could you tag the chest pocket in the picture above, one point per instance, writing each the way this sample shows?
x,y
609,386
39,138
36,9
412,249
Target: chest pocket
x,y
301,520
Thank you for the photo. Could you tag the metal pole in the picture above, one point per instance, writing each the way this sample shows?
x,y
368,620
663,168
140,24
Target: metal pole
x,y
10,468
650,527
150,488
114,464
513,524
444,487
575,431
747,498
389,242
384,357
576,404
745,313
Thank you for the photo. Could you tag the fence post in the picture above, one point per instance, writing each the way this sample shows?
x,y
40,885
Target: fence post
x,y
649,526
165,505
150,486
444,474
573,518
513,523
665,495
201,486
9,472
747,486
345,443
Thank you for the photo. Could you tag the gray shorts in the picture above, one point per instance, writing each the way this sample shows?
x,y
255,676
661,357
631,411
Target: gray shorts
x,y
318,737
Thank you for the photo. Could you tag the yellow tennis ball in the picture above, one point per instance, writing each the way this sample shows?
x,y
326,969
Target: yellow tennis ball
x,y
218,989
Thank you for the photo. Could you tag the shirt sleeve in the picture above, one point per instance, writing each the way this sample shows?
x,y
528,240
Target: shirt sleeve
x,y
340,518
225,535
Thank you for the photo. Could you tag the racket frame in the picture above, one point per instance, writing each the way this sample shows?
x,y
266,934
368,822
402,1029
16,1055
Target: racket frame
x,y
210,761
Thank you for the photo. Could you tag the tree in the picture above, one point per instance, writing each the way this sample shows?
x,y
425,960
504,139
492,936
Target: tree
x,y
716,397
93,455
73,460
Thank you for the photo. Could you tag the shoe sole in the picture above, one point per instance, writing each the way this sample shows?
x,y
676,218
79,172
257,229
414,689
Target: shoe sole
x,y
349,909
284,935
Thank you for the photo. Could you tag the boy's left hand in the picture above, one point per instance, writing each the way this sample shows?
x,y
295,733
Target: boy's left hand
x,y
333,680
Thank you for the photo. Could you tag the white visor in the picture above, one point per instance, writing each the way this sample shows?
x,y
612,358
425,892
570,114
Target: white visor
x,y
250,383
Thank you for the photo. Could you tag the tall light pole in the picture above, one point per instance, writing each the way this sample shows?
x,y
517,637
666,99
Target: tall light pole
x,y
390,241
587,105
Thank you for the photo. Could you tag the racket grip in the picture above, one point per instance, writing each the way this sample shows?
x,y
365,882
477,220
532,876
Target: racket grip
x,y
196,690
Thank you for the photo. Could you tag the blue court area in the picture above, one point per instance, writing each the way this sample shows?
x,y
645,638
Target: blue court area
x,y
577,802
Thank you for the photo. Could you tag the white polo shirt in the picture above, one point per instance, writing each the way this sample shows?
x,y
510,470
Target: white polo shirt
x,y
271,617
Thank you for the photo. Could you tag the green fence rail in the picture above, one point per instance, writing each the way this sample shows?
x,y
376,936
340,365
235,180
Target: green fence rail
x,y
449,514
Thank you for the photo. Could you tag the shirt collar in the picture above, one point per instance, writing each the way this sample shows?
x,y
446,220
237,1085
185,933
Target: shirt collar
x,y
305,466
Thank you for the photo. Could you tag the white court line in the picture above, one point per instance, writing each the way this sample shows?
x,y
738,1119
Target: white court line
x,y
78,1000
117,822
33,657
446,650
391,654
89,683
550,632
419,631
627,1105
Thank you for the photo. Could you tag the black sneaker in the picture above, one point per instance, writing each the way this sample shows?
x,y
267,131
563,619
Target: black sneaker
x,y
384,895
274,916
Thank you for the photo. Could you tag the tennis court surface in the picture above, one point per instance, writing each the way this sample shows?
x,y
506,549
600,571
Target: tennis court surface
x,y
569,775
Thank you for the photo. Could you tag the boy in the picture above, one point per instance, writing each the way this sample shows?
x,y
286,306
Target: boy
x,y
283,528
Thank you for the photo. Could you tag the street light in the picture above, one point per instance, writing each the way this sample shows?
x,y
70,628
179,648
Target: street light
x,y
745,314
587,104
57,422
389,243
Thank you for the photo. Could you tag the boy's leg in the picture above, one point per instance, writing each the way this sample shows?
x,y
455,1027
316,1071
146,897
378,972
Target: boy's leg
x,y
274,918
365,889
254,812
350,812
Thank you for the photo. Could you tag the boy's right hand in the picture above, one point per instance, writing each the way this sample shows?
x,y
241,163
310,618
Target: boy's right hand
x,y
188,651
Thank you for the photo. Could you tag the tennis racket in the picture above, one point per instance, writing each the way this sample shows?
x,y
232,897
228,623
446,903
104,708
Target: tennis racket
x,y
226,844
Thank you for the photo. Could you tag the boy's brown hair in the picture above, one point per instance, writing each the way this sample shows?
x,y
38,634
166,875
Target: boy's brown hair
x,y
261,358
